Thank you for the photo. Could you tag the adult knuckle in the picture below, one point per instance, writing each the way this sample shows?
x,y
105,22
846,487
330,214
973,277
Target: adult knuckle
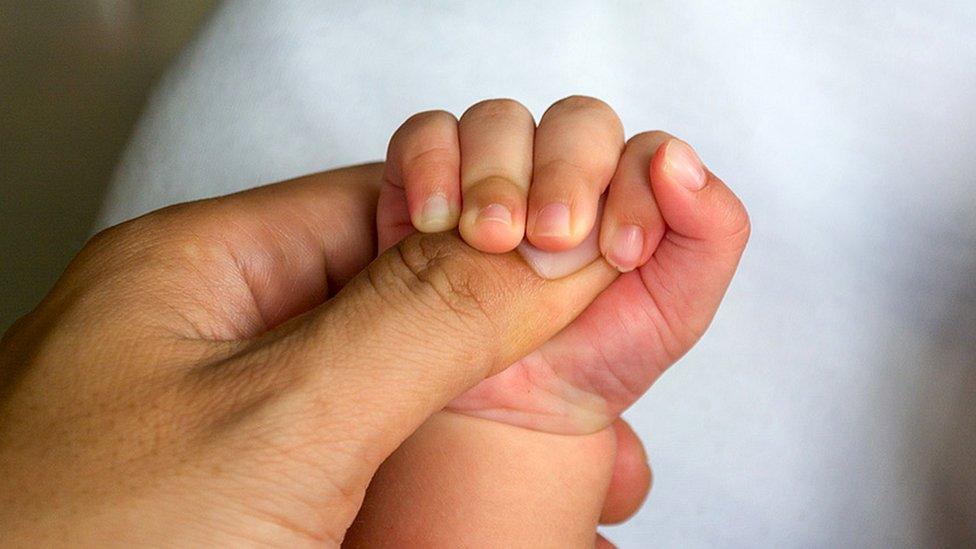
x,y
117,236
114,247
444,278
159,244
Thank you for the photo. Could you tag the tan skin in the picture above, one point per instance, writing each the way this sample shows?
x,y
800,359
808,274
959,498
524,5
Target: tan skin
x,y
236,370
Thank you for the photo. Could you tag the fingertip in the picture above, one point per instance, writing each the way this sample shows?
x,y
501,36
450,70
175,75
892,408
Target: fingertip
x,y
551,227
436,214
492,228
493,219
623,247
693,201
551,243
680,165
557,226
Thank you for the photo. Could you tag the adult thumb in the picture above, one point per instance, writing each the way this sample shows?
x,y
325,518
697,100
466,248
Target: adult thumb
x,y
426,320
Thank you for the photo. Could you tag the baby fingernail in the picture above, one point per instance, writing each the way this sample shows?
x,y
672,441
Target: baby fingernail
x,y
626,248
552,220
684,166
435,215
495,213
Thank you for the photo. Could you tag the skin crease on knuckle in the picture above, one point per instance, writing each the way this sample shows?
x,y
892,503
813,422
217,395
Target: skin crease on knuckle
x,y
734,226
738,222
442,290
444,276
596,110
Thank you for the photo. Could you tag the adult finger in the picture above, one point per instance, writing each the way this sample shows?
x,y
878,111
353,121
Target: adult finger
x,y
427,320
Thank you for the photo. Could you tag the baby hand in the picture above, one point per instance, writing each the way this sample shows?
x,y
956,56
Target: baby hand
x,y
674,230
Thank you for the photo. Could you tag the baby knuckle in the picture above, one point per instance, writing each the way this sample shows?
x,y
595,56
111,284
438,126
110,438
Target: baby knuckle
x,y
423,120
583,103
433,163
648,139
740,222
734,220
497,108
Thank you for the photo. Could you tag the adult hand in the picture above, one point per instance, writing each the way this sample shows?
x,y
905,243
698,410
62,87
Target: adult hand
x,y
217,371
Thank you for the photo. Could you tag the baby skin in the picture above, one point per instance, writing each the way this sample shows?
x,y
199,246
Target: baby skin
x,y
541,443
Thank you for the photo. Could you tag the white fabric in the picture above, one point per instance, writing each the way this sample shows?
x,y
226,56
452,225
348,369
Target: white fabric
x,y
832,401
